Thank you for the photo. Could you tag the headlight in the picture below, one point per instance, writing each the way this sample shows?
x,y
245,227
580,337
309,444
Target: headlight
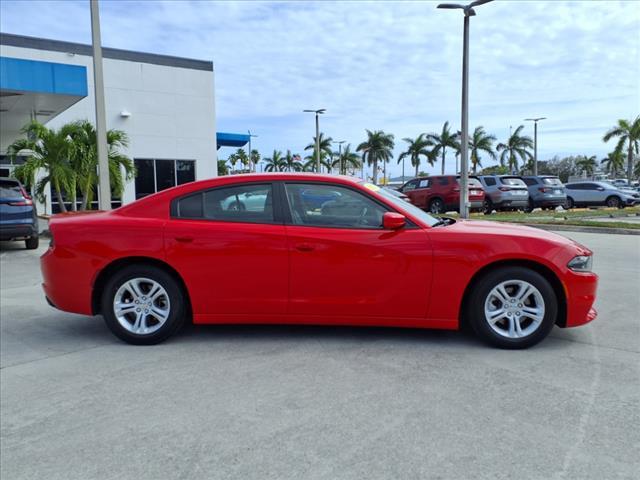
x,y
581,263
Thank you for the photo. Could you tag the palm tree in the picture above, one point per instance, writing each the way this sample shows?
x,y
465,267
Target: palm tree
x,y
480,141
291,163
346,160
378,147
417,148
629,133
517,146
254,158
50,150
85,160
587,164
614,162
325,148
275,163
446,139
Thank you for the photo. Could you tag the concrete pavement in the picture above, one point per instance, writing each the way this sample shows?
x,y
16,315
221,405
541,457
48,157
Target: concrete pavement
x,y
272,402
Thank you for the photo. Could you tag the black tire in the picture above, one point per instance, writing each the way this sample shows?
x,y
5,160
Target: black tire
x,y
177,304
436,206
530,206
475,308
237,206
570,203
487,206
32,243
614,202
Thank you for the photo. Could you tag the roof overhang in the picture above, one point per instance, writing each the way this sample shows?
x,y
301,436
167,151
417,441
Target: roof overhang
x,y
31,89
232,139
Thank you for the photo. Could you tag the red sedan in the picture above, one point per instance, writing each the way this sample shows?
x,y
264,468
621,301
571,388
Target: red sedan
x,y
311,249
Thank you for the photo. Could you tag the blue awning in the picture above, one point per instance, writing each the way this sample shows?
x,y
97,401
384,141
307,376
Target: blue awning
x,y
224,139
31,76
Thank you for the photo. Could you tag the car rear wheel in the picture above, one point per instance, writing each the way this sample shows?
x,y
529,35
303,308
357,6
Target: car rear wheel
x,y
487,206
570,203
436,206
32,243
614,202
530,206
512,307
143,305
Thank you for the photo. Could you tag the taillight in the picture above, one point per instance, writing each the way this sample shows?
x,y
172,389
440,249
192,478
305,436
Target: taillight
x,y
456,189
544,189
22,203
504,189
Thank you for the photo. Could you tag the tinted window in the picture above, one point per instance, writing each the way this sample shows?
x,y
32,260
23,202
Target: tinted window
x,y
410,186
530,181
490,181
145,178
165,174
185,171
332,206
578,186
443,181
555,181
191,207
513,181
10,189
242,203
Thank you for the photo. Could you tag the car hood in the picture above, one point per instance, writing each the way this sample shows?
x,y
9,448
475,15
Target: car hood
x,y
482,227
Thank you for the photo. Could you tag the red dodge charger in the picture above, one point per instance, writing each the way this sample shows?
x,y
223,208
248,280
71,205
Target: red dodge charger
x,y
311,249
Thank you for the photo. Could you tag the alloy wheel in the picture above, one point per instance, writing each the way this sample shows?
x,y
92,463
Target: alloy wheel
x,y
141,306
514,309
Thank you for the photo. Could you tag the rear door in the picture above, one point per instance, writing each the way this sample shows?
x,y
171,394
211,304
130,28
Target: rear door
x,y
229,244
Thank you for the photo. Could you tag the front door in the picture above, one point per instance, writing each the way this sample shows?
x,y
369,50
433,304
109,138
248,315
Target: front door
x,y
344,264
230,248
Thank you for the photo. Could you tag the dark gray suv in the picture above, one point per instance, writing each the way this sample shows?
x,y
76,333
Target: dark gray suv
x,y
545,191
504,192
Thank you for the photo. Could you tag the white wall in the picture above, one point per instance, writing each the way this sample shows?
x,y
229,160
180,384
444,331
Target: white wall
x,y
172,109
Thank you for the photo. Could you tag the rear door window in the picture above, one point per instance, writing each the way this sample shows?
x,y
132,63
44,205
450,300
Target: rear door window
x,y
490,181
424,183
530,181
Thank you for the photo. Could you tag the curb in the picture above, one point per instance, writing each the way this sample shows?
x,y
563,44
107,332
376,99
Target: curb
x,y
577,228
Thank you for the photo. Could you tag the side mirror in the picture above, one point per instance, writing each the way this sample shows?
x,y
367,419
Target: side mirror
x,y
393,220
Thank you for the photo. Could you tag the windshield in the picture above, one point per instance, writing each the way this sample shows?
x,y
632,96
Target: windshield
x,y
403,205
551,181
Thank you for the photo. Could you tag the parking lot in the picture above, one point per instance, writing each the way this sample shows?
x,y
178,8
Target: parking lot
x,y
275,402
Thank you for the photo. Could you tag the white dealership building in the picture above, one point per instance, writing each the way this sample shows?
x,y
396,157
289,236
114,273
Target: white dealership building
x,y
165,104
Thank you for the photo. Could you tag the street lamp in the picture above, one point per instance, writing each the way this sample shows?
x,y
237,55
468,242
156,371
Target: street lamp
x,y
340,154
318,113
250,137
464,161
535,141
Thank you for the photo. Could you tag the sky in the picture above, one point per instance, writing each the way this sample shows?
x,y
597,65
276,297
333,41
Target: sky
x,y
392,66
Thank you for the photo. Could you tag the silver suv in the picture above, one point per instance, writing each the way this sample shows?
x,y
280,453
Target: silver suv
x,y
503,192
545,191
589,194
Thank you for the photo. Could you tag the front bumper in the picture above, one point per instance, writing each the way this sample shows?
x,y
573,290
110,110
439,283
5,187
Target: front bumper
x,y
580,290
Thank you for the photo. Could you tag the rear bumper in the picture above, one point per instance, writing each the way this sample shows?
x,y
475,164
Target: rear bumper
x,y
66,281
515,203
19,230
550,202
580,290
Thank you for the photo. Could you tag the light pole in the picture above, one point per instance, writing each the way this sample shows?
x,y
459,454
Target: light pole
x,y
250,137
318,113
340,155
535,141
464,161
104,185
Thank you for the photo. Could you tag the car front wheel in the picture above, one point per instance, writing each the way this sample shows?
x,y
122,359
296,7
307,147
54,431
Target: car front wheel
x,y
512,307
487,206
143,305
614,202
436,206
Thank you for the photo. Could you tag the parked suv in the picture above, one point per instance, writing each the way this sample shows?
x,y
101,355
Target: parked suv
x,y
504,192
545,191
441,193
18,219
588,194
